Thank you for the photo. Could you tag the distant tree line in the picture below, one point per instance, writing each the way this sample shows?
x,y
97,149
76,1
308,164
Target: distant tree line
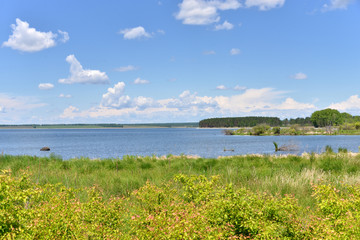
x,y
239,122
322,118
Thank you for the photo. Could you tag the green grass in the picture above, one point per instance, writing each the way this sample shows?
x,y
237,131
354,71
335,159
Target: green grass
x,y
119,177
244,197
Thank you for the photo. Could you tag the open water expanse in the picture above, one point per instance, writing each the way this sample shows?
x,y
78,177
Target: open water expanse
x,y
113,143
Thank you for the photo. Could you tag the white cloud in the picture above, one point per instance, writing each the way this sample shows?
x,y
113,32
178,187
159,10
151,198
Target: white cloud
x,y
65,36
133,33
142,103
15,108
2,109
352,103
264,101
115,97
211,52
239,88
299,76
65,95
70,112
225,26
80,75
27,39
141,81
291,104
46,86
221,87
264,5
235,51
337,4
203,12
126,68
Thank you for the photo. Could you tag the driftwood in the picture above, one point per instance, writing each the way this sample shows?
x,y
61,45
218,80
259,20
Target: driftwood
x,y
229,150
285,148
45,149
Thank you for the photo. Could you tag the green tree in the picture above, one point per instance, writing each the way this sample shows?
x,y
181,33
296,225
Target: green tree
x,y
326,118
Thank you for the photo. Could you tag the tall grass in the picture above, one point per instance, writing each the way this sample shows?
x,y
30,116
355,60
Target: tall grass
x,y
119,177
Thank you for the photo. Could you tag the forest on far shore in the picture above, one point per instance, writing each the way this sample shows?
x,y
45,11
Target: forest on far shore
x,y
322,118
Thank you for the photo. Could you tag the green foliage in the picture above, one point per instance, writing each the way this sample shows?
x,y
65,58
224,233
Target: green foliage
x,y
239,122
326,117
260,129
276,130
342,150
328,149
187,207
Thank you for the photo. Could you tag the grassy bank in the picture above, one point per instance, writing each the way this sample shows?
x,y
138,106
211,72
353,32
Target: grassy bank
x,y
119,177
257,197
265,130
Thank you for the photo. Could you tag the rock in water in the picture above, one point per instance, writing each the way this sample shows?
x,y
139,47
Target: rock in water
x,y
45,149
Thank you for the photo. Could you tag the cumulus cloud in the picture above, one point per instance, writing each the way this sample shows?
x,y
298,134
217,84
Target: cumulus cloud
x,y
221,87
291,104
235,51
299,76
225,26
27,39
115,98
264,5
80,75
46,86
133,33
126,68
203,12
141,81
70,112
337,4
352,103
264,101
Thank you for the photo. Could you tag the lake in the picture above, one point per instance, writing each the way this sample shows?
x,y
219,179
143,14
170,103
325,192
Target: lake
x,y
113,143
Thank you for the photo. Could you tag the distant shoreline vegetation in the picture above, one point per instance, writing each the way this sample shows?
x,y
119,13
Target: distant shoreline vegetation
x,y
101,125
323,122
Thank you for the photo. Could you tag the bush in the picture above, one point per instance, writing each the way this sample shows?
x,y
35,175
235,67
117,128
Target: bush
x,y
276,130
188,207
260,129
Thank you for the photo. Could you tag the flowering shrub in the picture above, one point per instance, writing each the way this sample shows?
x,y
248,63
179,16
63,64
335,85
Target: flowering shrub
x,y
189,207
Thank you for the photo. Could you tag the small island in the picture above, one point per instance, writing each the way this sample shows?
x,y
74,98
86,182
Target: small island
x,y
322,122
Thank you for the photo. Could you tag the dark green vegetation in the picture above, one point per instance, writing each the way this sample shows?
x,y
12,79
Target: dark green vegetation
x,y
258,197
325,122
239,122
322,118
252,122
102,125
327,117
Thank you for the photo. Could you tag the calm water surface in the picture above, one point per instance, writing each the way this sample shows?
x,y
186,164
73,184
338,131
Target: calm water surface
x,y
113,143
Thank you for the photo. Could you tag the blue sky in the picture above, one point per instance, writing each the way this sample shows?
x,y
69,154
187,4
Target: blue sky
x,y
144,61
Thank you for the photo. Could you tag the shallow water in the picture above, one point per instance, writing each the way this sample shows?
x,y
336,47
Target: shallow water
x,y
112,143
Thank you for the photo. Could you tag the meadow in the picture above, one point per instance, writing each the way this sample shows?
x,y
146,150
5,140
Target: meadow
x,y
181,197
